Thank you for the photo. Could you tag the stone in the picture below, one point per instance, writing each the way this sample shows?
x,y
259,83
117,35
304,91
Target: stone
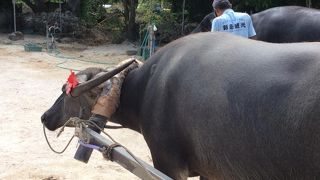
x,y
15,36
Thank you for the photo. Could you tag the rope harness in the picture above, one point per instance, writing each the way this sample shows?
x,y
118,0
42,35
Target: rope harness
x,y
79,123
52,149
105,150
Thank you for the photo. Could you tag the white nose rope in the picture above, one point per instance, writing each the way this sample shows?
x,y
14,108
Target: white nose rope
x,y
52,149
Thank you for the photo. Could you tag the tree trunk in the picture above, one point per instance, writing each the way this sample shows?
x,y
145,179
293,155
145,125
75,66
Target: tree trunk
x,y
125,5
130,7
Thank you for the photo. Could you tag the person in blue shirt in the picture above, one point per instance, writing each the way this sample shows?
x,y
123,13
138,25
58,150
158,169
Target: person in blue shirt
x,y
233,22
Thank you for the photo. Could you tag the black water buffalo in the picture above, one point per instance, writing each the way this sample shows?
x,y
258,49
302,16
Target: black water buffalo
x,y
285,24
239,109
205,24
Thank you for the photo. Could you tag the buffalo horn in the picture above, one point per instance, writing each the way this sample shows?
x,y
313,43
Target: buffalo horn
x,y
83,87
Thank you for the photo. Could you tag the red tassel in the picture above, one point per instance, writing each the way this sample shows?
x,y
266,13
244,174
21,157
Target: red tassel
x,y
72,82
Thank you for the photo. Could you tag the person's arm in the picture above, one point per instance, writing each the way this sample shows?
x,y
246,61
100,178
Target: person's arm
x,y
215,25
251,32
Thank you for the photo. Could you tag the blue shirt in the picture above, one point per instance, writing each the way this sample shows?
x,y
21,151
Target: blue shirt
x,y
235,23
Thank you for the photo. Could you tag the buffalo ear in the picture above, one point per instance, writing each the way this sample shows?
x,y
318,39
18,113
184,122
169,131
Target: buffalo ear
x,y
81,88
94,92
82,78
102,87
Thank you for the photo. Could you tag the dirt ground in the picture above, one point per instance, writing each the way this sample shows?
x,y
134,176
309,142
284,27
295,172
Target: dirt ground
x,y
30,83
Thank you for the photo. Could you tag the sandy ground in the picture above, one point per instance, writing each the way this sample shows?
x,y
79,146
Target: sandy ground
x,y
30,83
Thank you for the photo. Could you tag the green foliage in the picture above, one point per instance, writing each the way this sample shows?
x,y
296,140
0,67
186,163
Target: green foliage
x,y
92,11
145,14
167,23
113,23
169,27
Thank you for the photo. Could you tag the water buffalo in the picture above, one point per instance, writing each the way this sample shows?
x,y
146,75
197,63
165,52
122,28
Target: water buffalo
x,y
285,24
241,109
205,24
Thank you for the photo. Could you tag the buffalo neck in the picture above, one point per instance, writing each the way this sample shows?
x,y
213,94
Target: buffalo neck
x,y
128,112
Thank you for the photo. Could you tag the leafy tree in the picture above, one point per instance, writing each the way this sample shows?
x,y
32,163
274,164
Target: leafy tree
x,y
129,12
92,11
168,23
196,9
130,7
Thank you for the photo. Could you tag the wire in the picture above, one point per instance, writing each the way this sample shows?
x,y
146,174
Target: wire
x,y
56,53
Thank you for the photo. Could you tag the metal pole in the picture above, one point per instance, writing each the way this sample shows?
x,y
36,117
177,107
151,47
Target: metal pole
x,y
151,38
14,15
122,157
47,36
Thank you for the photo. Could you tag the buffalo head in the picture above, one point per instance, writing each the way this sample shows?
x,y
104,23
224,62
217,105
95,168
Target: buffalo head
x,y
80,101
68,106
